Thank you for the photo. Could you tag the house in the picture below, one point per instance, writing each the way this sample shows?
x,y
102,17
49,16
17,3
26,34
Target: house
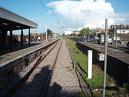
x,y
68,32
76,32
55,35
99,30
121,29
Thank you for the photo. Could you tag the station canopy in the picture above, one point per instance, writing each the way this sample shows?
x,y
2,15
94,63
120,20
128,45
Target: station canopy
x,y
12,21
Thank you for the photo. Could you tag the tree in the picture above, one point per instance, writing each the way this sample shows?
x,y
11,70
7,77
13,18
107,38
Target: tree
x,y
111,34
84,31
49,32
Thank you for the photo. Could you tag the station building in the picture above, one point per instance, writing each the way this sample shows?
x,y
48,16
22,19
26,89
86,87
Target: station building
x,y
10,22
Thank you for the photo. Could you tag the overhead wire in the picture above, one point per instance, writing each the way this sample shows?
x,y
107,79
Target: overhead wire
x,y
58,20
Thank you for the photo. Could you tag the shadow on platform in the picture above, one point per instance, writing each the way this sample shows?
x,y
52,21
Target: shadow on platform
x,y
13,85
17,47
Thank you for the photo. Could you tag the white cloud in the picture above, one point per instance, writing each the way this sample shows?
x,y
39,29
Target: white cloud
x,y
50,12
68,32
88,13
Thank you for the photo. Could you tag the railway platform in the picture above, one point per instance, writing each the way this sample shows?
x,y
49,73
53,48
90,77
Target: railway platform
x,y
10,56
113,52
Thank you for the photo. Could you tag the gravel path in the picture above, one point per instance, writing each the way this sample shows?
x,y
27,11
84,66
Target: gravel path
x,y
64,82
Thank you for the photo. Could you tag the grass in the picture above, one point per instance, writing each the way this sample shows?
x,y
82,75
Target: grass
x,y
78,56
81,59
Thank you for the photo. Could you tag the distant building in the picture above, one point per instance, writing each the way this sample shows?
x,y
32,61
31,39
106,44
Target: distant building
x,y
18,38
55,35
68,32
76,32
121,29
99,30
34,36
42,36
38,37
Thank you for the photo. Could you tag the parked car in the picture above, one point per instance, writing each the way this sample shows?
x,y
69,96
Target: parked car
x,y
101,40
117,39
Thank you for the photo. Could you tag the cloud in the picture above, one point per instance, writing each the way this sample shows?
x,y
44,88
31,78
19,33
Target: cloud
x,y
50,12
87,13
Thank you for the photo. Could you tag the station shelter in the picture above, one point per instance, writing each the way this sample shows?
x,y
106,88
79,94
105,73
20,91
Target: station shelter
x,y
10,22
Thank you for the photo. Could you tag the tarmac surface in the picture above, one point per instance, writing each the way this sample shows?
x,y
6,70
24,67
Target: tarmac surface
x,y
119,54
10,56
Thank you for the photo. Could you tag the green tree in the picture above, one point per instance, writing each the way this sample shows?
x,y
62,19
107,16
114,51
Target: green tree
x,y
49,32
111,34
84,31
93,33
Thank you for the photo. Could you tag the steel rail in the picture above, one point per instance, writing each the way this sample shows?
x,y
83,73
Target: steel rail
x,y
50,75
23,80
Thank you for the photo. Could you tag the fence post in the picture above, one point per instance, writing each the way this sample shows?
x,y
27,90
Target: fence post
x,y
89,64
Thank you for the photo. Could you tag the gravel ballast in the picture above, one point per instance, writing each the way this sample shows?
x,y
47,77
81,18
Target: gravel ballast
x,y
64,82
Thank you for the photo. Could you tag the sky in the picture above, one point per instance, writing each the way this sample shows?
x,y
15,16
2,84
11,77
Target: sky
x,y
62,15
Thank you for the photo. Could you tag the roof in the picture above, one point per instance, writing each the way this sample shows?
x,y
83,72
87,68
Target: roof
x,y
12,21
120,26
102,30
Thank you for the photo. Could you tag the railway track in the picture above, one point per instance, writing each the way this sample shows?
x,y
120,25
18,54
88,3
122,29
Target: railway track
x,y
64,81
36,77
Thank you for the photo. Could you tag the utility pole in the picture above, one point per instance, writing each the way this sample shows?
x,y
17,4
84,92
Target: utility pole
x,y
115,32
120,32
46,35
105,58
